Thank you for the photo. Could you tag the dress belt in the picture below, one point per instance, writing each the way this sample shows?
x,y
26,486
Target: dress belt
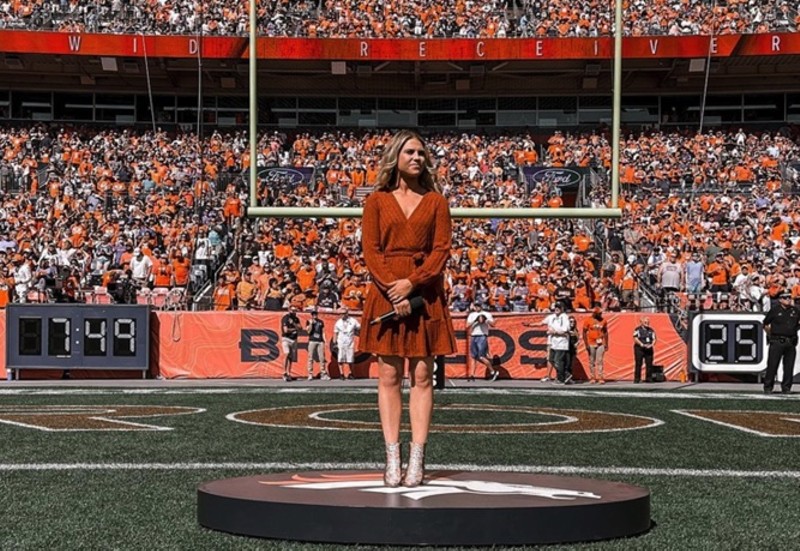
x,y
417,257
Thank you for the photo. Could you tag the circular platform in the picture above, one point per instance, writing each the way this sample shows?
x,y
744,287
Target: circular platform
x,y
451,508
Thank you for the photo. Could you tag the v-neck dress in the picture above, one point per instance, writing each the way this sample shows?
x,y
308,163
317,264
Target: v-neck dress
x,y
414,248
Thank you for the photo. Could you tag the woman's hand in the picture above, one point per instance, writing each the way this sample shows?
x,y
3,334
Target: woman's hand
x,y
398,290
402,308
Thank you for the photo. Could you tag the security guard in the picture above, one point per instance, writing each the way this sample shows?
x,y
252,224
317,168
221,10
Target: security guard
x,y
644,341
781,323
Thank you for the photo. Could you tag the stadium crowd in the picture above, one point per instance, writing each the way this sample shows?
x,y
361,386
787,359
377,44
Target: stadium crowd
x,y
394,19
87,211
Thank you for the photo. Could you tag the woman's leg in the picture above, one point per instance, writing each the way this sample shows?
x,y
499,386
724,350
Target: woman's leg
x,y
420,404
390,401
420,409
390,407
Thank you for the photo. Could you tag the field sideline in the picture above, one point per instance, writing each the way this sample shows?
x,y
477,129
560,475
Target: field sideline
x,y
102,467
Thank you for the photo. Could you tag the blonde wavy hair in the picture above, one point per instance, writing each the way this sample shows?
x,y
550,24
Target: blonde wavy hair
x,y
387,173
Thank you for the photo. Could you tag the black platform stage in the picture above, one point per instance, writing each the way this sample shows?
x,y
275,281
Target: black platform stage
x,y
451,508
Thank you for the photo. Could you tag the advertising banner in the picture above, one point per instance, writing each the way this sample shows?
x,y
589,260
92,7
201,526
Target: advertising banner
x,y
566,179
247,344
402,49
285,179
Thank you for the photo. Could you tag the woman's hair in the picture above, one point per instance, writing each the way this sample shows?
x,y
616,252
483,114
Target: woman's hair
x,y
387,174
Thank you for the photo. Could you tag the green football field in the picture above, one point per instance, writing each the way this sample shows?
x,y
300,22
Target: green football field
x,y
98,468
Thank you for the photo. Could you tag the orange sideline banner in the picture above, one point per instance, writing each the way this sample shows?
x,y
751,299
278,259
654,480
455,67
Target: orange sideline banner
x,y
246,344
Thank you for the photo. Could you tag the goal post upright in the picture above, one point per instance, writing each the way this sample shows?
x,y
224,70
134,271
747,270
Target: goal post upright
x,y
614,211
253,103
616,106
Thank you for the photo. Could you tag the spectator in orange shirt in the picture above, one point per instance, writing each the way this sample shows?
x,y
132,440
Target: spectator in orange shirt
x,y
353,295
306,276
180,270
162,272
720,274
246,293
223,295
555,201
595,337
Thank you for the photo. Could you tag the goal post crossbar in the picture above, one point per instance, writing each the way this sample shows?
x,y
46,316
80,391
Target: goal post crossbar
x,y
356,212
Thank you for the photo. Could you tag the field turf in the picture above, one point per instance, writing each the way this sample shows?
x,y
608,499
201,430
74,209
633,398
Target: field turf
x,y
713,487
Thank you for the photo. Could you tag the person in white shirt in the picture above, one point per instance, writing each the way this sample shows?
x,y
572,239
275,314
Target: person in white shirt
x,y
65,254
670,274
22,279
479,323
741,285
344,334
50,254
557,341
141,266
558,331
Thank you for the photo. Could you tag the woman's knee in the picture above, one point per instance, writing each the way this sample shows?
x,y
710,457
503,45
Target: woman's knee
x,y
390,373
422,373
389,378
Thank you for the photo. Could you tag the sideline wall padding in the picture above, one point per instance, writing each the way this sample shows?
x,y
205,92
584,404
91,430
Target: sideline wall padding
x,y
246,344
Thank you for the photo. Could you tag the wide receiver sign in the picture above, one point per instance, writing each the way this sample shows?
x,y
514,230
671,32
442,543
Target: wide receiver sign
x,y
356,49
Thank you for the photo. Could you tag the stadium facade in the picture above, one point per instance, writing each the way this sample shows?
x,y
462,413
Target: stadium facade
x,y
436,83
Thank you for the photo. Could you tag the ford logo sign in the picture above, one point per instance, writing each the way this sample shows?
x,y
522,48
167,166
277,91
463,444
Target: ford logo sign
x,y
284,176
561,177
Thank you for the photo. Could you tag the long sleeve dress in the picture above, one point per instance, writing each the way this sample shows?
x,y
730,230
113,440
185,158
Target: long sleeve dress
x,y
416,249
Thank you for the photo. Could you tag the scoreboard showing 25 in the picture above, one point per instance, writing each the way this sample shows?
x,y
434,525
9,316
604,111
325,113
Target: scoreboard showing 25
x,y
728,342
66,336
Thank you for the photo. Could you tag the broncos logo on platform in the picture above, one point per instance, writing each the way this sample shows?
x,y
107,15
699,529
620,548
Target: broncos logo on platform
x,y
435,486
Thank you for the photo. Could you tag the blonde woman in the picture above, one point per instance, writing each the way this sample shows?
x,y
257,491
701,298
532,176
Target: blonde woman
x,y
406,242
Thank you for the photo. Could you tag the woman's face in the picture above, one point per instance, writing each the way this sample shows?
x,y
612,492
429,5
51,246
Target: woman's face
x,y
411,161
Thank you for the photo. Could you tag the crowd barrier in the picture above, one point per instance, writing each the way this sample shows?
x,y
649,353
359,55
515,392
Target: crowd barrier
x,y
246,344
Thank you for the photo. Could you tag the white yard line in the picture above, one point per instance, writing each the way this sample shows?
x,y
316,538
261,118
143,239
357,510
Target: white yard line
x,y
279,466
312,390
739,427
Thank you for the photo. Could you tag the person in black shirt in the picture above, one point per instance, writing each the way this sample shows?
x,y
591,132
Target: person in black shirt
x,y
781,324
644,339
572,351
316,346
290,325
327,298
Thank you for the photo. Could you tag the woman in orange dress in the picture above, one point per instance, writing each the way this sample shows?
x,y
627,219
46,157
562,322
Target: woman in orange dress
x,y
406,233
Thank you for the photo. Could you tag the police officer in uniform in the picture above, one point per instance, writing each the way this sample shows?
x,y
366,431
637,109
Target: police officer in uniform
x,y
781,324
644,341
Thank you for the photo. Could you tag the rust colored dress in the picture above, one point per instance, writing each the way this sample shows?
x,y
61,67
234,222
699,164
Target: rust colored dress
x,y
416,249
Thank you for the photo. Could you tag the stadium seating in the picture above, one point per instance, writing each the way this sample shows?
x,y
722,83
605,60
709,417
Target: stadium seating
x,y
683,192
418,18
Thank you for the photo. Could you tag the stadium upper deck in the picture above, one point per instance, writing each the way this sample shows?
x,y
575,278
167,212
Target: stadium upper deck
x,y
414,19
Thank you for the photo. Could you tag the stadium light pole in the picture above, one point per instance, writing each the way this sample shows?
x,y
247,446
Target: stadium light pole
x,y
252,66
616,104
